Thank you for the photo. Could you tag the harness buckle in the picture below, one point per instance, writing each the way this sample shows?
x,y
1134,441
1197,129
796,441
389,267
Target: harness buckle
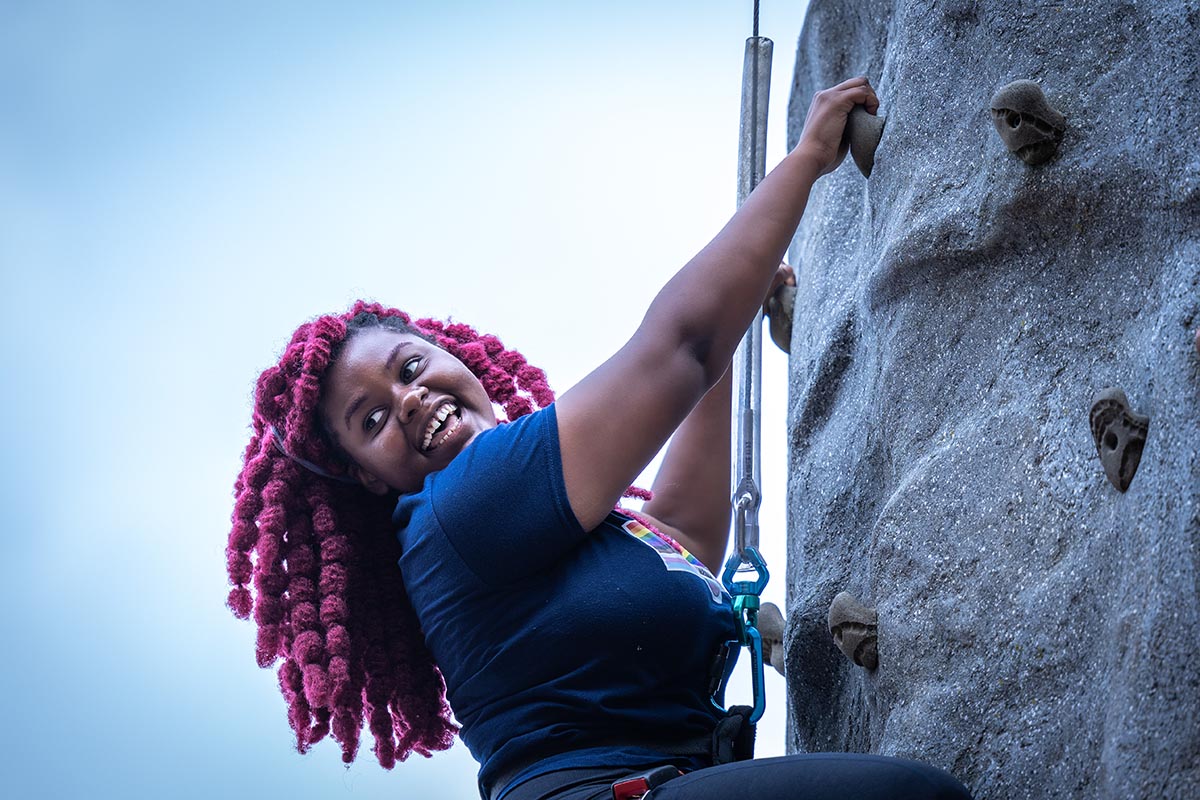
x,y
638,786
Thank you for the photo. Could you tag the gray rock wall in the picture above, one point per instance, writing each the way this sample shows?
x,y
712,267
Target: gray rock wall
x,y
956,314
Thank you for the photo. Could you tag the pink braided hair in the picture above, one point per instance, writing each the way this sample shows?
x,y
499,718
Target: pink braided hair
x,y
321,556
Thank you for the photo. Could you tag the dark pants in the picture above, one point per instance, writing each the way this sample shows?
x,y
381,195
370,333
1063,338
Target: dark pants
x,y
806,776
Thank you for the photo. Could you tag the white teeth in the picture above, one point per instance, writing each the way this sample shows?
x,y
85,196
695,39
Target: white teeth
x,y
435,423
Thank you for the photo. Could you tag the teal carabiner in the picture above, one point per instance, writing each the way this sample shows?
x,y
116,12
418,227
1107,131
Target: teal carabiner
x,y
746,600
756,675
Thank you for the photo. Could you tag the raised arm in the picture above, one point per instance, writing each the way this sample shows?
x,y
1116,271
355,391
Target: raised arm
x,y
692,487
613,422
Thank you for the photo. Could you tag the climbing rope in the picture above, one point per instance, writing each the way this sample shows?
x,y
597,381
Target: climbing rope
x,y
746,594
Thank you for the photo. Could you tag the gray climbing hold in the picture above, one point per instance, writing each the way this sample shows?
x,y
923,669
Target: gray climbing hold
x,y
1120,436
855,630
1026,122
770,627
1198,341
863,132
779,316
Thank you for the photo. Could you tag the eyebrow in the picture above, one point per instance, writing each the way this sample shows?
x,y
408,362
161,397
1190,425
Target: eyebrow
x,y
391,359
388,365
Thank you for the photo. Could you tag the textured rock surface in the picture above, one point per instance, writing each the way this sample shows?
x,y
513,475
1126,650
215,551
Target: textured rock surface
x,y
956,313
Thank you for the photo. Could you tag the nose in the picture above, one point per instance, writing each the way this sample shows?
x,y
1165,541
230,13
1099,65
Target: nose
x,y
410,403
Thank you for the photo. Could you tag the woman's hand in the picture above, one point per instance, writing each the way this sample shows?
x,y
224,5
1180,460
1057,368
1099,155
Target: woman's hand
x,y
822,137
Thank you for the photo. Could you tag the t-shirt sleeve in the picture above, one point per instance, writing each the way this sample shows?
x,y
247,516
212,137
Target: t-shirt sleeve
x,y
502,503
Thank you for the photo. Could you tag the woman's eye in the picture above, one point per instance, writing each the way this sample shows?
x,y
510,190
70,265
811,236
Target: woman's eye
x,y
372,419
409,370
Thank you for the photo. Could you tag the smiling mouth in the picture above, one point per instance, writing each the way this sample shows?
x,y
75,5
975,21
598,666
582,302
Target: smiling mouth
x,y
442,425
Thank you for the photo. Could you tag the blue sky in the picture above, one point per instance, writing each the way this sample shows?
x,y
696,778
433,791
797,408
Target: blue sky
x,y
181,184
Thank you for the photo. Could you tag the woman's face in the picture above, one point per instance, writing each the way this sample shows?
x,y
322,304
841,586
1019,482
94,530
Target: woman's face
x,y
401,407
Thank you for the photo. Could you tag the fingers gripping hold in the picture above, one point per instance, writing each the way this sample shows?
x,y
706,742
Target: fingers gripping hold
x,y
826,120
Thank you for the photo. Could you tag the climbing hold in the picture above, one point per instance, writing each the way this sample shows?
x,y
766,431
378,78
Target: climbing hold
x,y
1120,436
1026,122
770,627
779,316
854,629
1197,340
863,132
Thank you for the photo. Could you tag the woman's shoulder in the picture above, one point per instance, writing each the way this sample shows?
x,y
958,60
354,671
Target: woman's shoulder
x,y
503,495
494,449
509,472
527,447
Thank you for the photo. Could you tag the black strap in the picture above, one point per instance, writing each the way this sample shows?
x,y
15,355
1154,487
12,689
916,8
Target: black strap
x,y
733,738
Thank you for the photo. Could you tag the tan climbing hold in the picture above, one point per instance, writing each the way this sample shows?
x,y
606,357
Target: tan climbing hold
x,y
863,132
854,628
779,316
1120,436
1028,125
770,627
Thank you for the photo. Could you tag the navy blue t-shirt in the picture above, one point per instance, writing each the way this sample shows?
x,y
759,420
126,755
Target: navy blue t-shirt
x,y
555,642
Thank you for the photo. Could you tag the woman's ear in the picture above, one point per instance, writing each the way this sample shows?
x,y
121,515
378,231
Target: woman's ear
x,y
371,483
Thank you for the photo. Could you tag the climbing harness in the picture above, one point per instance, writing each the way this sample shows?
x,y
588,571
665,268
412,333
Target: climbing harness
x,y
746,593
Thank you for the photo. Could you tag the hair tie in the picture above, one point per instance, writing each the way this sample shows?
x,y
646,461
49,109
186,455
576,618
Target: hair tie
x,y
308,465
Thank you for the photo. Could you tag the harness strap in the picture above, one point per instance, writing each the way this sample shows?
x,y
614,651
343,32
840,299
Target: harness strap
x,y
731,740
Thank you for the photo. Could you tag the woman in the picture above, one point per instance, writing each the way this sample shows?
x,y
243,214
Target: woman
x,y
576,642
